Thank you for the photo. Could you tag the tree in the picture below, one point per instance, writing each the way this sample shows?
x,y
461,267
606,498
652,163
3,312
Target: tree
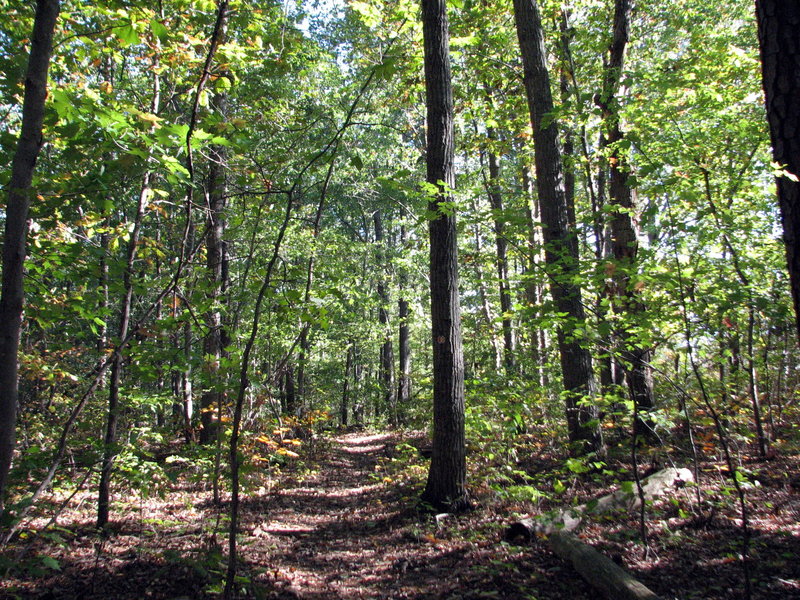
x,y
501,245
18,204
216,338
446,485
627,298
386,374
561,244
778,22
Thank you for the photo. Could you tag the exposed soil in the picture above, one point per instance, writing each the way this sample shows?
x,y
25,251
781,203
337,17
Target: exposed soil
x,y
349,528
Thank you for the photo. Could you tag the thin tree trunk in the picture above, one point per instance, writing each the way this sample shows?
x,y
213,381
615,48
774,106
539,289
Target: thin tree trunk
x,y
126,304
403,342
115,377
12,295
446,484
752,375
561,244
291,391
387,353
501,246
483,294
534,292
344,407
213,344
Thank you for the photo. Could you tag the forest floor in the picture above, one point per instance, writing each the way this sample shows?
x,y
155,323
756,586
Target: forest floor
x,y
343,524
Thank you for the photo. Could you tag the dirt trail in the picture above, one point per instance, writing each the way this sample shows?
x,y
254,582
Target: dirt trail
x,y
345,533
339,533
344,530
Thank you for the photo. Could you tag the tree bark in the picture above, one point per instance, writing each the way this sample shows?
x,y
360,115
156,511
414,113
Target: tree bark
x,y
561,244
778,23
484,296
501,247
387,352
403,342
344,407
212,398
534,290
446,485
598,570
626,298
115,378
12,295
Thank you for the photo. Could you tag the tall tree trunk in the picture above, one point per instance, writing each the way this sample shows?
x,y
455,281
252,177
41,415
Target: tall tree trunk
x,y
624,243
501,247
387,353
344,407
446,485
358,378
778,24
290,391
534,291
301,382
212,398
403,342
484,295
561,244
752,379
12,295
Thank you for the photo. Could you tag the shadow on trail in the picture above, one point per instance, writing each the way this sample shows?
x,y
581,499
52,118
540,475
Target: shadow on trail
x,y
346,533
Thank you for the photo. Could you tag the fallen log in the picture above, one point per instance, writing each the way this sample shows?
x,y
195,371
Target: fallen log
x,y
625,498
601,572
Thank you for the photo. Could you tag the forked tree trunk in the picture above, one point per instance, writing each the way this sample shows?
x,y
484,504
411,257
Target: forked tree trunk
x,y
778,24
446,485
561,244
12,296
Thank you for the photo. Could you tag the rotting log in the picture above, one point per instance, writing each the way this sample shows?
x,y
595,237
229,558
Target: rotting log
x,y
598,570
571,518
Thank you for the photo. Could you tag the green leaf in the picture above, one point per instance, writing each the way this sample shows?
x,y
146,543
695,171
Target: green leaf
x,y
159,30
127,35
51,563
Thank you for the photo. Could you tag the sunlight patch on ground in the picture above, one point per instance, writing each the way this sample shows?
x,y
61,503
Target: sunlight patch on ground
x,y
288,528
352,491
364,449
358,440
